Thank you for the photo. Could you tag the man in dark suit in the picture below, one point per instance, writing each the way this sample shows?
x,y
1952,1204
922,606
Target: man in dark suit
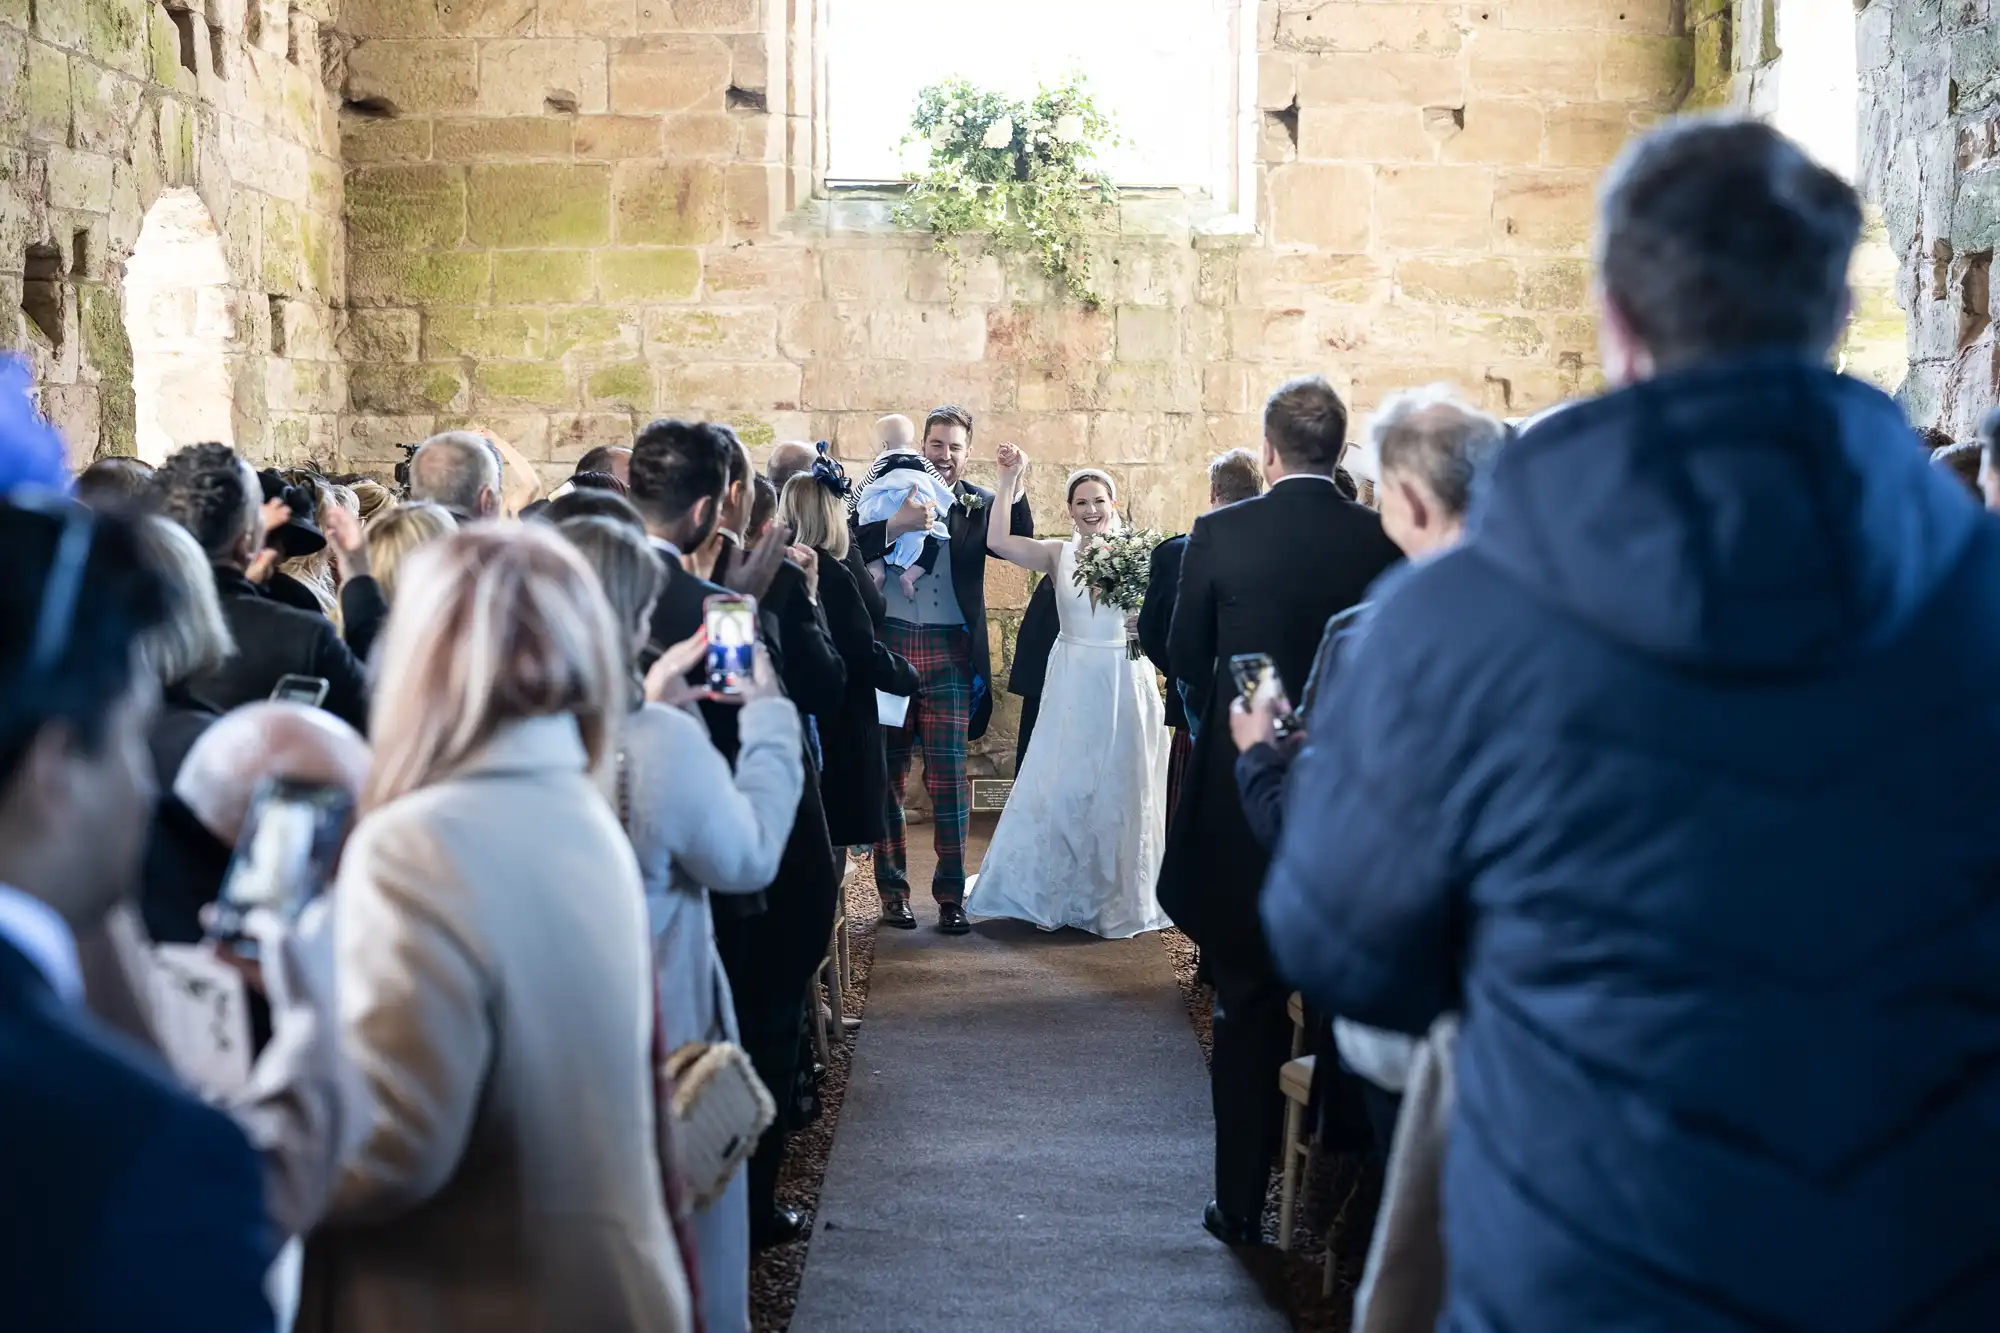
x,y
941,631
680,472
1033,643
128,1204
1231,477
210,491
1262,576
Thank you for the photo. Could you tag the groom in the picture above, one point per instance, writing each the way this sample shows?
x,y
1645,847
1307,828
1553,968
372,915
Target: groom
x,y
942,631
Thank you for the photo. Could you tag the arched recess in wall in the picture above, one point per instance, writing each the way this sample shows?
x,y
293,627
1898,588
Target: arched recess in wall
x,y
180,316
1819,105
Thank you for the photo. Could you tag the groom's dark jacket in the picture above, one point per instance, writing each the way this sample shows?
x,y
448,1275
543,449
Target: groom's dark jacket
x,y
967,523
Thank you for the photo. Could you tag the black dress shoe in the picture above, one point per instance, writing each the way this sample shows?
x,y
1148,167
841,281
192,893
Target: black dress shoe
x,y
951,919
782,1227
1230,1230
896,912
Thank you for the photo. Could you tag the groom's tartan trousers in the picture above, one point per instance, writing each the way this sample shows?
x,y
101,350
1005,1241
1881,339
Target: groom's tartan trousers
x,y
939,717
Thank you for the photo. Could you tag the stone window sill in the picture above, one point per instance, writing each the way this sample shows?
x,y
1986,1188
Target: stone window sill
x,y
868,208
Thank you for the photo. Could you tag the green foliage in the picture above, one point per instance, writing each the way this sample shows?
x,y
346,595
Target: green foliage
x,y
1020,172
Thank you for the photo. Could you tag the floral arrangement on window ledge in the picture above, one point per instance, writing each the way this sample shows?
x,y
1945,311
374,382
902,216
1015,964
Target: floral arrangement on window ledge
x,y
1019,172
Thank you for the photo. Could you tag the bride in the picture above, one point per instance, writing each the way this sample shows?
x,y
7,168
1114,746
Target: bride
x,y
1080,841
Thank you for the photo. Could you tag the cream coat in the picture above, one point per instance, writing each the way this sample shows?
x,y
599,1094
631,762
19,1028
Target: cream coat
x,y
493,969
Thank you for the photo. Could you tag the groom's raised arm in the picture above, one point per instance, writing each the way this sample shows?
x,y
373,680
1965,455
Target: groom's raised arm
x,y
1191,641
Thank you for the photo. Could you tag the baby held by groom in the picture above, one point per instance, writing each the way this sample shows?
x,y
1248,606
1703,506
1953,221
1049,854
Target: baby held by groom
x,y
900,469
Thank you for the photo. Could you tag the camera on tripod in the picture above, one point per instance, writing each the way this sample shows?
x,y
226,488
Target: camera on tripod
x,y
403,469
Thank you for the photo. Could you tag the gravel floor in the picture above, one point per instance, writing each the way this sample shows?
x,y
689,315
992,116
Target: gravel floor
x,y
1338,1187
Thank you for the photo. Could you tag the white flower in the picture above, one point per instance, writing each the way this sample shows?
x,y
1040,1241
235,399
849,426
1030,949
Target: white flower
x,y
999,134
1069,128
940,136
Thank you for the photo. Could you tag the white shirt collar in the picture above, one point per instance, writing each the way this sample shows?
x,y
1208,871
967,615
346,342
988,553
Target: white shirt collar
x,y
661,544
1302,476
39,932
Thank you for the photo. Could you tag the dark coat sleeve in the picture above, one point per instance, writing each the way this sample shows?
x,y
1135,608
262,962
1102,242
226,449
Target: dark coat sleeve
x,y
1363,906
363,610
346,678
815,674
1156,615
1260,784
1191,641
873,539
871,596
190,1231
1034,641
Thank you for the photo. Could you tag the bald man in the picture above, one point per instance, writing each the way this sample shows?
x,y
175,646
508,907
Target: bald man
x,y
788,460
197,825
459,470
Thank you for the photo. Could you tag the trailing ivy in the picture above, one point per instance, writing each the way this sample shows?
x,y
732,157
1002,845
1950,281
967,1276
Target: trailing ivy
x,y
1019,172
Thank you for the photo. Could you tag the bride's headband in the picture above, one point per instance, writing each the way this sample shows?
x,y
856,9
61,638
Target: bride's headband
x,y
1081,475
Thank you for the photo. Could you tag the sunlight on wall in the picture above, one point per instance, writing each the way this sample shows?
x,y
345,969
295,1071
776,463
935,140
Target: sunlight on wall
x,y
180,316
1819,90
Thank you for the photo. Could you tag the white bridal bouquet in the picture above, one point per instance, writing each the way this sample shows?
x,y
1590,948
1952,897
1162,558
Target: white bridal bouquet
x,y
1114,568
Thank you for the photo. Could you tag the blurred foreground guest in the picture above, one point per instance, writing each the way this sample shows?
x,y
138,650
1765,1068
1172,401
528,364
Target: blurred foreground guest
x,y
1989,459
1669,778
393,534
696,828
193,639
511,1178
1962,461
115,483
763,509
127,1204
594,504
213,493
1262,576
32,454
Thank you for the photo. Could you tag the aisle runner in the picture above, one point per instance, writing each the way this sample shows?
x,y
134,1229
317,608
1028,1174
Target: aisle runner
x,y
1025,1145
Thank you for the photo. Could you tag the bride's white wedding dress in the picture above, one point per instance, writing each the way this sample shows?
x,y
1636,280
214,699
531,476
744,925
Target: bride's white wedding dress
x,y
1080,841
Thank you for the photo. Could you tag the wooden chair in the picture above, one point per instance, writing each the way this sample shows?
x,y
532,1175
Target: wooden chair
x,y
1295,1081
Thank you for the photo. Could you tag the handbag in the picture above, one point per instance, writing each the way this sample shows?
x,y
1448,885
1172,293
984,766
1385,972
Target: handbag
x,y
713,1108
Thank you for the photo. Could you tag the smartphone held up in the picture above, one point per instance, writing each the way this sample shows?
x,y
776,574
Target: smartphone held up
x,y
1258,682
284,857
731,621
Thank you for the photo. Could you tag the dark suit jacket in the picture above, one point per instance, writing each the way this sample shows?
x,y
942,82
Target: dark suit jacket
x,y
777,949
1034,642
274,640
968,582
1261,770
1262,576
854,776
1156,618
128,1204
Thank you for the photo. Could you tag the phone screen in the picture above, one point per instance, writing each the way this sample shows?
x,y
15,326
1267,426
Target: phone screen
x,y
307,690
732,642
285,853
1258,681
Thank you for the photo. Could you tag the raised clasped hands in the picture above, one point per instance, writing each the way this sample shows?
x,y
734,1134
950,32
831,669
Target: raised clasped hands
x,y
1013,461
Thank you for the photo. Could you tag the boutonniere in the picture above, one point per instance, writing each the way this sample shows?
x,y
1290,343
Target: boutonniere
x,y
973,501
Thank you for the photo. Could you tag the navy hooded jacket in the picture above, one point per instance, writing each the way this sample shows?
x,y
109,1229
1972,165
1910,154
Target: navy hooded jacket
x,y
1679,779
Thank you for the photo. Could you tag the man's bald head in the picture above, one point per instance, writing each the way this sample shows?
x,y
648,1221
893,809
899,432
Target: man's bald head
x,y
265,740
788,460
460,471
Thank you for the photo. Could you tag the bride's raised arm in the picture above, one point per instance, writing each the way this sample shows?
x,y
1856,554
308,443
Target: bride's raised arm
x,y
1029,553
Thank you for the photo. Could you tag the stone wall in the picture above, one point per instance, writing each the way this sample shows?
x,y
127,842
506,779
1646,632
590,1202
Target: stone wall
x,y
566,217
104,104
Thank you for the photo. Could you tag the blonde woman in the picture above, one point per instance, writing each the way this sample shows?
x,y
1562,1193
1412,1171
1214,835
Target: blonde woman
x,y
194,639
394,533
697,829
494,973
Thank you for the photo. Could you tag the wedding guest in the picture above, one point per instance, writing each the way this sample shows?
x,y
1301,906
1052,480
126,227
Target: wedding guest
x,y
1028,672
1260,576
487,864
211,492
719,553
942,633
762,511
789,459
460,471
296,540
395,533
697,829
115,483
128,1204
1989,459
612,459
192,639
1632,780
1232,477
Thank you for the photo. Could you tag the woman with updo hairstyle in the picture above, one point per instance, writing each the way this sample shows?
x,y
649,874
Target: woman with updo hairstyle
x,y
495,972
396,532
854,766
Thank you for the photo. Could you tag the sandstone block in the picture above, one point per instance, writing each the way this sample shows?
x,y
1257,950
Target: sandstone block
x,y
626,386
47,98
525,77
79,181
709,333
900,386
1552,66
1157,386
981,283
506,384
907,331
587,18
657,74
105,108
487,18
366,440
1048,437
364,140
1341,25
538,277
406,208
1285,335
700,15
775,272
519,205
1277,277
1398,79
1364,132
1586,135
667,203
609,138
1556,284
1492,133
837,330
649,275
1129,438
407,388
511,137
572,435
1480,333
1434,208
415,78
388,18
866,273
1646,70
705,134
381,335
1228,387
1348,332
485,333
594,331
1059,335
699,388
1477,283
1148,333
753,196
1322,205
393,278
1150,275
1545,211
1277,81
